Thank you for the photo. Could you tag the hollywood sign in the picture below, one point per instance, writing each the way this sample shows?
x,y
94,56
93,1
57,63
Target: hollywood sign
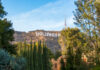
x,y
48,34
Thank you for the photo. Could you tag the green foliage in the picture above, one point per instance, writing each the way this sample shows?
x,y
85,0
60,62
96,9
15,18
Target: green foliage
x,y
57,55
2,12
63,67
96,67
71,37
7,62
70,59
85,16
6,32
75,44
97,4
51,55
78,59
37,56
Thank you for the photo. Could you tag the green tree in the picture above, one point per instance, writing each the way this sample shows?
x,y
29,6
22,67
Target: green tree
x,y
8,62
63,67
97,4
87,19
78,59
37,56
85,16
40,52
70,65
57,55
2,12
72,37
6,32
46,59
74,43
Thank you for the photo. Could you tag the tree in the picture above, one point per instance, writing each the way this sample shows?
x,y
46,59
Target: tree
x,y
97,5
87,18
63,67
6,32
46,58
2,12
40,52
70,65
51,54
8,62
71,37
74,43
37,56
78,59
57,55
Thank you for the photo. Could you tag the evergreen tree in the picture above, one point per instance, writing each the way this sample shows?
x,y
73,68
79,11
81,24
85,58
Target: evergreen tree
x,y
6,32
97,4
71,37
31,55
37,56
8,62
46,59
2,12
35,64
63,67
70,65
45,62
40,56
57,55
86,18
78,59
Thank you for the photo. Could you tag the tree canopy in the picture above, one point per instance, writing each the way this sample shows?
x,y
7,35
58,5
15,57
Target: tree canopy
x,y
6,32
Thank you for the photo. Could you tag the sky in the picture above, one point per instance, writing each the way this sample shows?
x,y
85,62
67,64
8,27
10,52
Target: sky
x,y
29,15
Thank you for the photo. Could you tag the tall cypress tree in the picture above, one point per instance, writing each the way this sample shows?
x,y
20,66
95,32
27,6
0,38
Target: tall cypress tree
x,y
31,55
70,65
46,59
40,56
35,66
63,67
6,32
78,59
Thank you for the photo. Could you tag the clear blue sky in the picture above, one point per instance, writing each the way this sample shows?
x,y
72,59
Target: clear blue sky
x,y
28,15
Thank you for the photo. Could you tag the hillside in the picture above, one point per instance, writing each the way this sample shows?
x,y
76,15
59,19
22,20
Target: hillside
x,y
50,37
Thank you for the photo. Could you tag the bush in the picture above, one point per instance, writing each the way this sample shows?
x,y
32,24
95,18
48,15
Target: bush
x,y
8,62
96,67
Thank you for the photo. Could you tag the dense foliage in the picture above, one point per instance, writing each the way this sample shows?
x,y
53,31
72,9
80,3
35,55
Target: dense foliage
x,y
6,32
85,40
8,62
71,37
37,56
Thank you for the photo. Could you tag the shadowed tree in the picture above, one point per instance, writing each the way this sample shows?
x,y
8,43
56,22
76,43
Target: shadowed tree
x,y
6,32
